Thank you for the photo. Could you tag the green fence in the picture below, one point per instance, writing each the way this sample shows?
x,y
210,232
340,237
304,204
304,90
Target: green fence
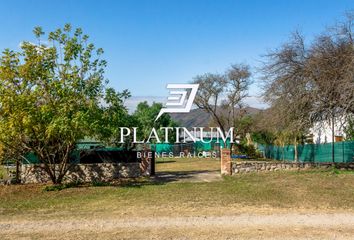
x,y
198,146
343,152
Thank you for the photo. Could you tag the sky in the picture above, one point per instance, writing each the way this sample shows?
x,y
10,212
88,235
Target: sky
x,y
150,43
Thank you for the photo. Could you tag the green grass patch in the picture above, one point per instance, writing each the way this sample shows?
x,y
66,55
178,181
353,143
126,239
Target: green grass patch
x,y
314,190
309,189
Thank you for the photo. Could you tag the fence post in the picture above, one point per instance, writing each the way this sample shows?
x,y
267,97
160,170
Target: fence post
x,y
152,164
226,168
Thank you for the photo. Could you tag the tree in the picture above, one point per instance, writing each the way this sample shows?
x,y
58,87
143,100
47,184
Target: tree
x,y
112,115
349,129
330,70
223,96
312,84
244,125
270,127
146,115
208,97
287,89
50,95
262,128
237,84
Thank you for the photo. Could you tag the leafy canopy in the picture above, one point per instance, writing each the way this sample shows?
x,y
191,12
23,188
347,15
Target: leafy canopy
x,y
51,96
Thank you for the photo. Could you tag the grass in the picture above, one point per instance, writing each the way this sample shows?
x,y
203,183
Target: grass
x,y
314,189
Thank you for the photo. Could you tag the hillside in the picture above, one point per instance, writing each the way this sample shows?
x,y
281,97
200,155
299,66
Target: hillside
x,y
200,118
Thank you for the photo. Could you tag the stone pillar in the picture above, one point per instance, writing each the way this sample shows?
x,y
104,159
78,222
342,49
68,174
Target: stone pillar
x,y
226,168
145,163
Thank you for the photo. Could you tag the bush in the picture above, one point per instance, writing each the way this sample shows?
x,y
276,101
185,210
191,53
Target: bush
x,y
250,151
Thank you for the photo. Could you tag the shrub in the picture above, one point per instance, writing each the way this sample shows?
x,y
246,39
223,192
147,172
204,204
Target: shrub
x,y
249,150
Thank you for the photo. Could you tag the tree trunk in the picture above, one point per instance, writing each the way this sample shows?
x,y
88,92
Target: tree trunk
x,y
295,151
231,146
17,171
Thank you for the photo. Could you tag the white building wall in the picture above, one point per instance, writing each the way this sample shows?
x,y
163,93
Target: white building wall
x,y
322,131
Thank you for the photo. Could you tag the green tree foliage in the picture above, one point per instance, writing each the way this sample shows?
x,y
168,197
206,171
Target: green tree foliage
x,y
51,96
263,137
146,115
113,115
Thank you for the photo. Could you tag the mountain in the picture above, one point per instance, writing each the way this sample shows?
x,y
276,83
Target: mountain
x,y
200,118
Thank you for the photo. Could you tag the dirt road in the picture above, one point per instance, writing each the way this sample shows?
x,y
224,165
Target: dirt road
x,y
189,176
243,226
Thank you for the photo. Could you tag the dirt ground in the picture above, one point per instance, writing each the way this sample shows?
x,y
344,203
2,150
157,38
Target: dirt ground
x,y
190,176
243,226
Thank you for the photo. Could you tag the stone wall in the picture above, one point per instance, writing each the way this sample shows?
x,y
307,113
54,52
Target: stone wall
x,y
97,172
260,166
